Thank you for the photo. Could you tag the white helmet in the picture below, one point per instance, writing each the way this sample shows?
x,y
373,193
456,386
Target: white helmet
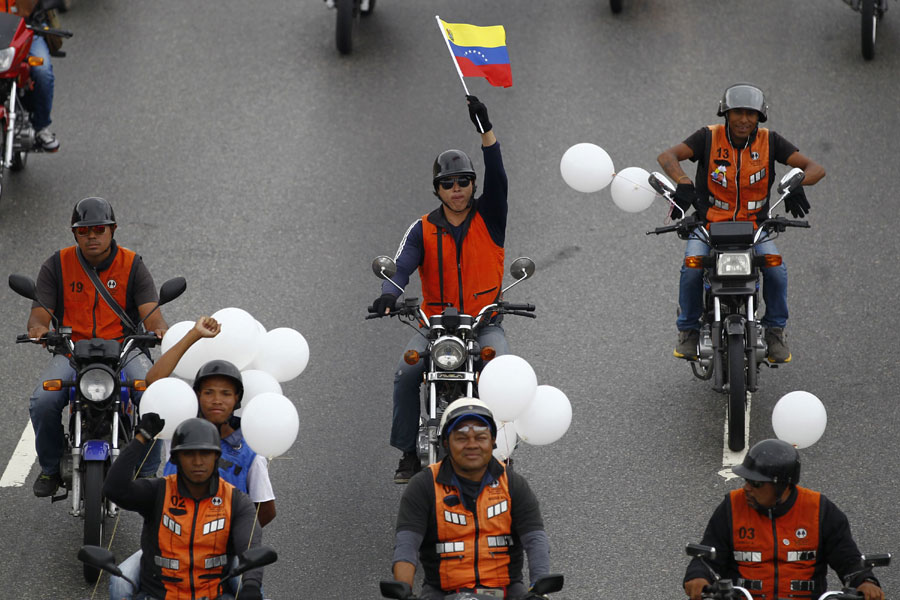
x,y
467,407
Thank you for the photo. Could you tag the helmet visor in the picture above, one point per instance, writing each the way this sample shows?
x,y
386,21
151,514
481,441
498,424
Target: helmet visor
x,y
744,96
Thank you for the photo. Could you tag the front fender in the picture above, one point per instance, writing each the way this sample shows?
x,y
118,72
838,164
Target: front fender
x,y
95,450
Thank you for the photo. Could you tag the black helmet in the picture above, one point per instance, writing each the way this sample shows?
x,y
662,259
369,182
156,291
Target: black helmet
x,y
452,162
467,407
775,461
744,95
93,211
196,434
221,368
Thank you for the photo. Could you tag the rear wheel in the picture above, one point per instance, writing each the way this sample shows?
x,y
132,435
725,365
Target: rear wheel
x,y
869,24
737,392
346,15
93,512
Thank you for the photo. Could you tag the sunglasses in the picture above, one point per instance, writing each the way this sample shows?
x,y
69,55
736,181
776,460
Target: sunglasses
x,y
755,484
473,428
462,180
83,231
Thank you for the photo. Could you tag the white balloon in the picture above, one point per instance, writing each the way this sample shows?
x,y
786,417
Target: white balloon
x,y
173,400
270,423
630,190
586,168
195,356
506,440
256,382
507,385
262,329
238,341
547,419
283,354
799,418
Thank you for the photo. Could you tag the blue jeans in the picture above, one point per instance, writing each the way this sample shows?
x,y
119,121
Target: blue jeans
x,y
46,409
119,589
690,289
407,379
40,100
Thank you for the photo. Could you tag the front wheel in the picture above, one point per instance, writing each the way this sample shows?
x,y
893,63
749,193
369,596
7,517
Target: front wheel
x,y
615,6
869,24
93,512
346,14
737,392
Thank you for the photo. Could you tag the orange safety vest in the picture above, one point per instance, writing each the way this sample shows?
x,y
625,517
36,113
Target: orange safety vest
x,y
738,180
193,541
472,276
83,309
7,6
776,557
474,548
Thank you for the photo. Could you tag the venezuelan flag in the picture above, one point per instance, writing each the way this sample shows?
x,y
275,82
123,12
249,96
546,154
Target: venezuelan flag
x,y
480,51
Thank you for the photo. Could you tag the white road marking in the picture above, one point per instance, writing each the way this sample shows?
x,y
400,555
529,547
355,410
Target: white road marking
x,y
729,457
22,458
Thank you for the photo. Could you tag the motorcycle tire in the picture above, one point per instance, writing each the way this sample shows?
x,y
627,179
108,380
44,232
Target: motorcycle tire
x,y
93,511
19,160
368,11
346,16
615,6
869,25
737,392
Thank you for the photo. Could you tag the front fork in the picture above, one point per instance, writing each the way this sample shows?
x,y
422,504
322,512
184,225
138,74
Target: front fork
x,y
77,459
11,128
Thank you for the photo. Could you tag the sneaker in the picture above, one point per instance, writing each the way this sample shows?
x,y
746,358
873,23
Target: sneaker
x,y
46,139
409,466
46,485
687,344
778,351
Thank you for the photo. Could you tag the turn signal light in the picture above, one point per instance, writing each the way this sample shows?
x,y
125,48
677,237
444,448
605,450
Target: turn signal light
x,y
772,260
411,357
35,61
140,385
693,262
488,353
53,385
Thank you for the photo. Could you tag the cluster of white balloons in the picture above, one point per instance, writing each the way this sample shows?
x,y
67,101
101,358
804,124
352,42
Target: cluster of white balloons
x,y
536,414
588,168
799,418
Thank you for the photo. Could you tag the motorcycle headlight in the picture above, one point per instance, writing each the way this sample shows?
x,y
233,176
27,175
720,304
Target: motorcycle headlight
x,y
733,263
96,385
6,58
448,353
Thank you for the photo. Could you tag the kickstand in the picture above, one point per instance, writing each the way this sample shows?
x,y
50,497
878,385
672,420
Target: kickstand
x,y
58,498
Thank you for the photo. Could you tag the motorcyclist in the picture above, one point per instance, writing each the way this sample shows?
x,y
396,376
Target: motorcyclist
x,y
468,520
41,97
458,250
806,530
735,171
66,289
195,522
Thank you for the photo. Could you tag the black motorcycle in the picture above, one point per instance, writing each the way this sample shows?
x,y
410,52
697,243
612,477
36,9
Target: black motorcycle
x,y
102,416
871,11
732,341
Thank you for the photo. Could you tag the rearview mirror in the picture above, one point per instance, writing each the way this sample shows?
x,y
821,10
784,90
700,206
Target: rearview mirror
x,y
791,180
399,590
701,551
384,267
876,560
101,558
23,286
660,183
522,268
251,559
171,290
547,585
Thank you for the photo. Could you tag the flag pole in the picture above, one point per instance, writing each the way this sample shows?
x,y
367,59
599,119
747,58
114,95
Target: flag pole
x,y
456,64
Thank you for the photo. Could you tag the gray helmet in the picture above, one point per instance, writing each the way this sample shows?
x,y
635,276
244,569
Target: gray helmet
x,y
775,461
93,211
452,162
744,95
196,434
466,408
221,368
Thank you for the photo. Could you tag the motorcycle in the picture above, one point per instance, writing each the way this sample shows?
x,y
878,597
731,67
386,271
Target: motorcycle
x,y
724,589
453,354
732,342
102,415
547,584
871,12
17,136
348,12
99,558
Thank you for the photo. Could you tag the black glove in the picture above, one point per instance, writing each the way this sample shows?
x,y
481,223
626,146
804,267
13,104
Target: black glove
x,y
384,301
797,204
686,196
150,426
478,109
250,591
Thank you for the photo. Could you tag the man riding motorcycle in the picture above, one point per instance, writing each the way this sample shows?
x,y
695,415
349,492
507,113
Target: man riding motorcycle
x,y
468,519
458,250
735,171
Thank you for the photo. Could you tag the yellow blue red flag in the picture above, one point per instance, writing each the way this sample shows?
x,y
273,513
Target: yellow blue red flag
x,y
479,51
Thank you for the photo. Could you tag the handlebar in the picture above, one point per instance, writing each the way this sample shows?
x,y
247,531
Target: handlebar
x,y
43,30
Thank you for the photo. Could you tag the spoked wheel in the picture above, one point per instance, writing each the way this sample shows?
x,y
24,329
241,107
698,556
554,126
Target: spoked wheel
x,y
346,18
615,6
93,512
737,392
869,24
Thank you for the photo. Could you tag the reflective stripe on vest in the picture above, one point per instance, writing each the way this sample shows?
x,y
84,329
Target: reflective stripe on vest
x,y
166,563
448,547
750,584
733,199
216,561
83,309
748,556
500,541
803,585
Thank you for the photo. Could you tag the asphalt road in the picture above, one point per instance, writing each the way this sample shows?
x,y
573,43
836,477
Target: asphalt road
x,y
242,152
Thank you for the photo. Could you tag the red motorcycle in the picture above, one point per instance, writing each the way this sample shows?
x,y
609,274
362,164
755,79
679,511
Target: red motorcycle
x,y
16,133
